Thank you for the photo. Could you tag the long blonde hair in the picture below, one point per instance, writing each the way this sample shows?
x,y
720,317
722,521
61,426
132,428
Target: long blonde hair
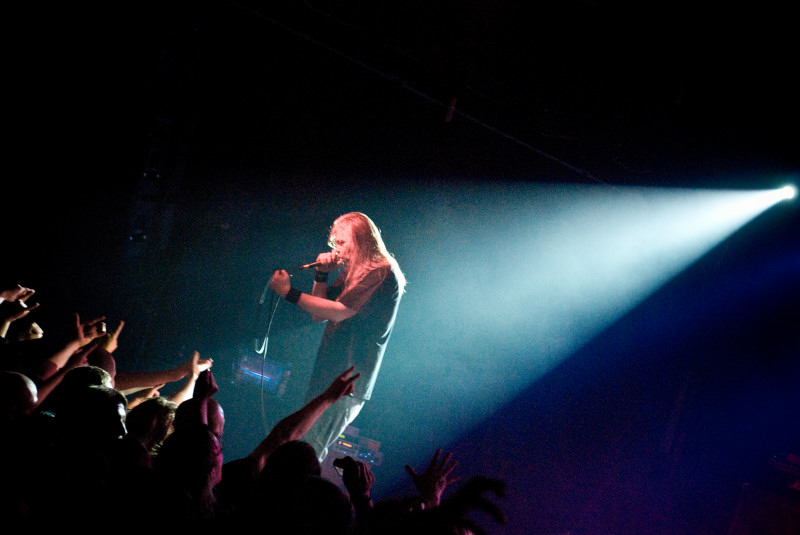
x,y
370,251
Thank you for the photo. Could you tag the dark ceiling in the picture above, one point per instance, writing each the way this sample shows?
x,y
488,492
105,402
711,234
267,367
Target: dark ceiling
x,y
614,91
615,88
575,90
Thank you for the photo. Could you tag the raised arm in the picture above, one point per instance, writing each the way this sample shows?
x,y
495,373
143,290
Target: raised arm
x,y
320,308
111,340
294,426
146,394
48,384
358,480
186,391
83,334
134,381
13,314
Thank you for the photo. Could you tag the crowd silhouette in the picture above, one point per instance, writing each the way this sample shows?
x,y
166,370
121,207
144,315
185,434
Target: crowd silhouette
x,y
88,447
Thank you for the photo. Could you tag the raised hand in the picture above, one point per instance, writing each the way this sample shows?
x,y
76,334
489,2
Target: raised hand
x,y
17,296
434,480
111,342
14,313
16,293
200,365
33,332
206,386
89,330
147,393
194,366
356,476
343,385
78,358
152,392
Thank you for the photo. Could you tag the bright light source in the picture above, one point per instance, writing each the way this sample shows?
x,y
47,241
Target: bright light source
x,y
764,199
787,192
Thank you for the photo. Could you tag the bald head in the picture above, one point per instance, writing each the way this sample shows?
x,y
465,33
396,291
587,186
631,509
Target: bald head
x,y
216,417
18,395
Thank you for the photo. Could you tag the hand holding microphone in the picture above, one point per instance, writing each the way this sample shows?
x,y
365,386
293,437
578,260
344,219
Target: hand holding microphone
x,y
325,262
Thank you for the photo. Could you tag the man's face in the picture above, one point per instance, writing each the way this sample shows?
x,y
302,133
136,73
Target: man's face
x,y
219,460
341,240
216,418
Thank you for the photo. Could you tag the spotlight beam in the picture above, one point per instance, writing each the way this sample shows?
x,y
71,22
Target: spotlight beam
x,y
511,280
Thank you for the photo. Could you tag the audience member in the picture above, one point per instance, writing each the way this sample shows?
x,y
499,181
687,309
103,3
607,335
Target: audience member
x,y
18,399
73,379
89,423
13,307
358,480
190,464
151,422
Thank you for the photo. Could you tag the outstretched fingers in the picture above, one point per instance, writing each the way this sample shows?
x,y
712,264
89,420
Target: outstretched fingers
x,y
342,385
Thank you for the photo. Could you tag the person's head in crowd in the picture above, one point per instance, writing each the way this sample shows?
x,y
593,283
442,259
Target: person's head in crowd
x,y
289,462
94,414
101,358
317,506
77,378
89,375
190,460
190,412
18,396
151,422
216,418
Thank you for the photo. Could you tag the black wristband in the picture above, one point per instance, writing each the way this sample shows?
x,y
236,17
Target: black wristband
x,y
293,295
320,276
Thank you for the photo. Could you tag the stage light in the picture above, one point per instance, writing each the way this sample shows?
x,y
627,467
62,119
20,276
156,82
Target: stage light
x,y
787,192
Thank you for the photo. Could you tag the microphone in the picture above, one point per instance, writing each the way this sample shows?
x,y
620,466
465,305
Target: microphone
x,y
309,266
318,263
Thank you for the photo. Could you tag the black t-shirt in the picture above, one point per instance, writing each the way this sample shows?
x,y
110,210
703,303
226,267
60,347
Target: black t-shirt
x,y
361,339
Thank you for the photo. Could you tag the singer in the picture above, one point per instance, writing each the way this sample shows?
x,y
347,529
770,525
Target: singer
x,y
359,305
